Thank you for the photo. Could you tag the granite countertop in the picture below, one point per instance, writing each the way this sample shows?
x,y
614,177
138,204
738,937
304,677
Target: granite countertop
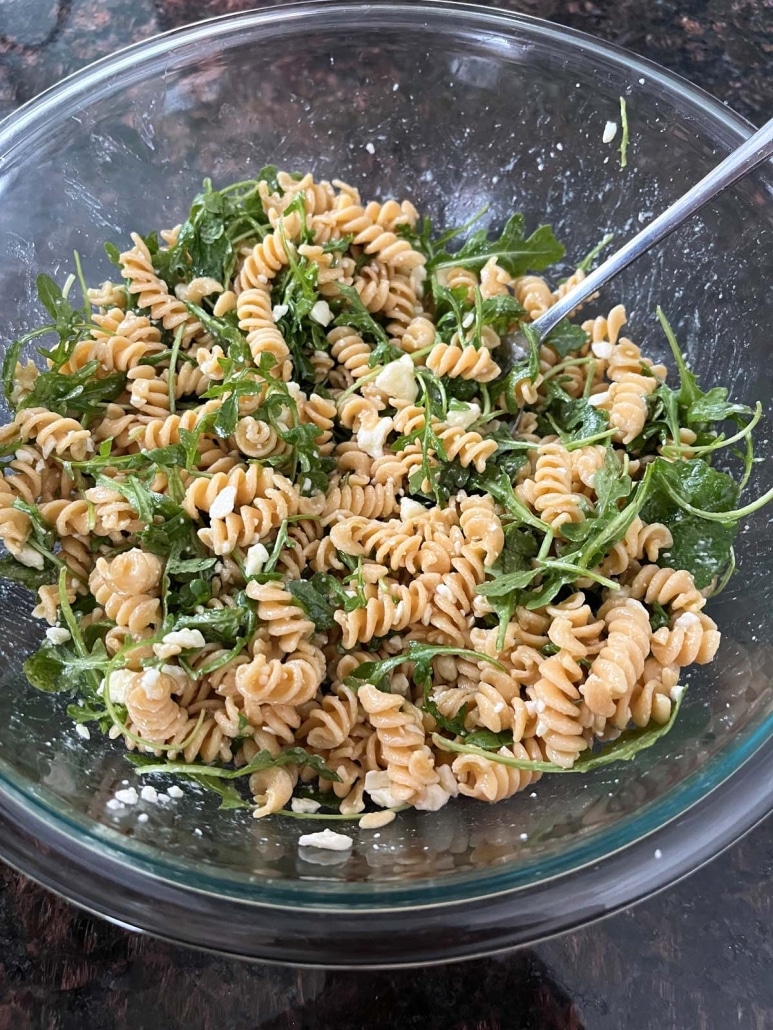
x,y
697,956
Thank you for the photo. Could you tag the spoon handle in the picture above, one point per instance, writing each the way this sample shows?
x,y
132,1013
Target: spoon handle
x,y
749,155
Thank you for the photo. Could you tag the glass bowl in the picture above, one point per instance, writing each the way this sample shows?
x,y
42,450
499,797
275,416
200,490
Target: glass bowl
x,y
453,107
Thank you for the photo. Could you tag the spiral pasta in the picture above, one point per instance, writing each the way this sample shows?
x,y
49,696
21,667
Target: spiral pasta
x,y
299,515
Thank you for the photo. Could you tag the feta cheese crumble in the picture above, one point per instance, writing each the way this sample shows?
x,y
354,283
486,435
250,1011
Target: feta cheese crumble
x,y
57,634
177,640
378,786
463,417
610,131
398,380
328,840
224,503
305,805
372,434
257,556
321,313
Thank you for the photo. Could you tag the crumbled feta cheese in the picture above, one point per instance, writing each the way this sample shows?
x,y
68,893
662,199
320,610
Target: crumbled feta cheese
x,y
676,692
177,674
378,786
468,319
197,832
499,707
175,792
150,679
603,349
370,148
398,380
257,556
306,485
82,731
30,557
57,634
305,805
184,638
163,798
278,311
375,820
149,793
658,853
127,796
120,681
410,509
329,840
610,131
142,817
444,591
321,313
432,798
224,503
524,836
598,400
112,804
463,418
372,434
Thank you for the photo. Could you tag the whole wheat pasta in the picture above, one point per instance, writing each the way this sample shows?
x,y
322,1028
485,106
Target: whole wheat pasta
x,y
314,526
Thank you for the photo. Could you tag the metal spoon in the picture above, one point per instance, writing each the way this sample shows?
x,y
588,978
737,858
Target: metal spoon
x,y
749,155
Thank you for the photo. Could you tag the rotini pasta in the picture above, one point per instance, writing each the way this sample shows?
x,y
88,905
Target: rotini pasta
x,y
311,523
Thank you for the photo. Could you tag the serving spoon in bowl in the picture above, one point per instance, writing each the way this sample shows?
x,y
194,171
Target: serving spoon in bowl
x,y
757,149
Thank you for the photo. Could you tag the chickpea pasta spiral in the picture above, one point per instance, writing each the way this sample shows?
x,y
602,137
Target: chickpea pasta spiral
x,y
292,510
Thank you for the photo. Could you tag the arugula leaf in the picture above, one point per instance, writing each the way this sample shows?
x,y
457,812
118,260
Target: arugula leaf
x,y
695,407
612,484
658,616
501,313
515,253
94,711
587,262
222,625
44,668
489,741
497,482
422,677
78,393
355,314
374,672
626,747
701,546
10,361
573,418
13,570
566,338
55,668
113,254
147,765
321,596
230,798
526,369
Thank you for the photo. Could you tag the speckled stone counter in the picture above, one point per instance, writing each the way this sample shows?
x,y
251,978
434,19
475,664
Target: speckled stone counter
x,y
700,955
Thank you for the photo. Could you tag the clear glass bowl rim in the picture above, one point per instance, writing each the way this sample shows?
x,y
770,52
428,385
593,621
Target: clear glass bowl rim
x,y
714,789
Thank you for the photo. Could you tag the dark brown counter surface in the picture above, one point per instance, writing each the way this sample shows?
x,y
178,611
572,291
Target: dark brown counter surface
x,y
700,955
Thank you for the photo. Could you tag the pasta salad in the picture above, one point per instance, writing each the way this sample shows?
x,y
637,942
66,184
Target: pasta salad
x,y
305,532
